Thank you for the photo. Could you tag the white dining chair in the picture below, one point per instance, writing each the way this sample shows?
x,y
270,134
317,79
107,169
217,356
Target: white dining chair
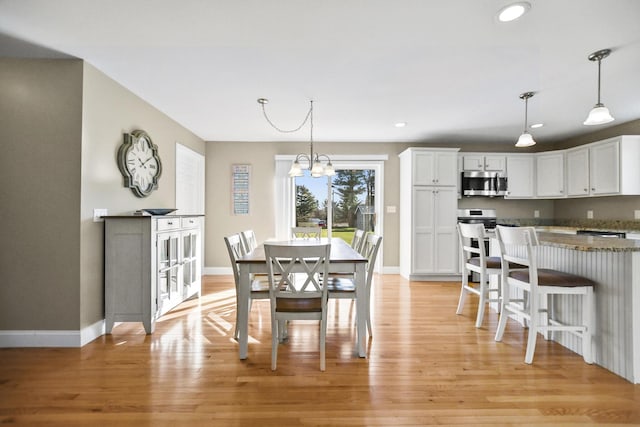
x,y
358,240
297,290
541,285
309,232
259,284
249,240
345,287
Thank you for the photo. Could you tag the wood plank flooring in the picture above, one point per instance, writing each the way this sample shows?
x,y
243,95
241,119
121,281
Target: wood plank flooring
x,y
426,365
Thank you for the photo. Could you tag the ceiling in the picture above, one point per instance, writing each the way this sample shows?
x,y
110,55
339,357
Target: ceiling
x,y
446,68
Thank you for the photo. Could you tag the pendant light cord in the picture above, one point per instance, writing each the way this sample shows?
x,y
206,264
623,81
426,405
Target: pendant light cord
x,y
309,115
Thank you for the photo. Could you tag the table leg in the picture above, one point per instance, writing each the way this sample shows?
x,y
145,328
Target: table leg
x,y
242,295
362,308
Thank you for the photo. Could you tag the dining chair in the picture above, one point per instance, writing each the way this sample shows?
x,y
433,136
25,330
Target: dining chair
x,y
259,285
345,287
249,240
297,290
358,239
310,232
541,285
474,258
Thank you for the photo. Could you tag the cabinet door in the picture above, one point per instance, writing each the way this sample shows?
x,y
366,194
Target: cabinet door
x,y
190,262
494,163
605,168
169,280
445,249
423,232
550,175
520,175
423,168
446,165
472,162
578,172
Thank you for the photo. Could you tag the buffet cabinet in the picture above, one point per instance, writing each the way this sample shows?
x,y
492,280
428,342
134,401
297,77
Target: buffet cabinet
x,y
152,264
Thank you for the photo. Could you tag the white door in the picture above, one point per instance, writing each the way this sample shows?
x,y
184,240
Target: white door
x,y
578,172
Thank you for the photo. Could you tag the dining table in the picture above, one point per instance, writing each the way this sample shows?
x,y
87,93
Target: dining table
x,y
343,260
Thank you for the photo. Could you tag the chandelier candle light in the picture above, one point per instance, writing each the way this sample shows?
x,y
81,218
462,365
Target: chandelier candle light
x,y
525,140
599,115
313,159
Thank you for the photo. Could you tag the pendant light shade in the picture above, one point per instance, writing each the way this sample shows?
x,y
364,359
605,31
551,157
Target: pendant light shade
x,y
599,115
525,140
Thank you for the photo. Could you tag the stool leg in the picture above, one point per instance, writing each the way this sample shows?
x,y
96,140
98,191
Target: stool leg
x,y
463,290
534,323
588,314
504,301
482,301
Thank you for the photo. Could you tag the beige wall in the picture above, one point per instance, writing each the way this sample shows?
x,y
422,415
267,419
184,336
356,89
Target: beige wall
x,y
40,133
61,122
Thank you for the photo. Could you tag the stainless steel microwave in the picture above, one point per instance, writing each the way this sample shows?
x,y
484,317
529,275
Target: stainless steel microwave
x,y
490,184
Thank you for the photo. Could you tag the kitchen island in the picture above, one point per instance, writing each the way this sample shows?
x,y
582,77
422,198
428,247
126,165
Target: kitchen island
x,y
614,264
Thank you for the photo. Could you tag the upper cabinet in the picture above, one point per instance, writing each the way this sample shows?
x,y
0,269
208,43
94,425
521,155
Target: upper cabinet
x,y
520,176
483,162
605,168
435,167
550,174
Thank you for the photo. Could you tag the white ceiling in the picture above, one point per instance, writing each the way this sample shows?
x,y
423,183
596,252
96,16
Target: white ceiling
x,y
446,67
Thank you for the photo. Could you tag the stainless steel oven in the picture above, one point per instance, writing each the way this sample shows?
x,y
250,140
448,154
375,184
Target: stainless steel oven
x,y
490,184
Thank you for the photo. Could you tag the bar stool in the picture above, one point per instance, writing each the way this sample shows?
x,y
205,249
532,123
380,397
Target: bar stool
x,y
517,244
477,260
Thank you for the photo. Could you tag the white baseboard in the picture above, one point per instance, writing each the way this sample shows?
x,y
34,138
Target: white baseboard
x,y
391,270
12,339
217,271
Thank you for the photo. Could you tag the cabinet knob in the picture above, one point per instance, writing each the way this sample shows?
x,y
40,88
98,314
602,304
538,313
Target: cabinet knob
x,y
593,189
586,189
561,191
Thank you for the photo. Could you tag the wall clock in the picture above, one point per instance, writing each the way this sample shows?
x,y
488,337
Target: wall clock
x,y
139,163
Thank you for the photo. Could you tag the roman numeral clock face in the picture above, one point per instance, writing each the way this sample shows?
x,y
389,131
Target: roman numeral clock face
x,y
139,163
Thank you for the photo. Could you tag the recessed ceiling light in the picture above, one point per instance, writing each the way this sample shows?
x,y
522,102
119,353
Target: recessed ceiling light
x,y
513,11
536,125
401,124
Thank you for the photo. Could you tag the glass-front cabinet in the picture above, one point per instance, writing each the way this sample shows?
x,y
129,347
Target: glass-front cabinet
x,y
152,264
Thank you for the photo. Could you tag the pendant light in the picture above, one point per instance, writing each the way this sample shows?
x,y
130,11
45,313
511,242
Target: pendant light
x,y
525,140
599,115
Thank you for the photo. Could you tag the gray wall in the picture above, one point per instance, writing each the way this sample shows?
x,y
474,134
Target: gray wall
x,y
61,122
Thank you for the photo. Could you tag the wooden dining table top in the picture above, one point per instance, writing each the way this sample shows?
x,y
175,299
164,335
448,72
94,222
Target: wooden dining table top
x,y
341,252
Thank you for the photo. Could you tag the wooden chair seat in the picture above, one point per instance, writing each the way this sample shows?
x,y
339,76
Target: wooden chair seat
x,y
548,277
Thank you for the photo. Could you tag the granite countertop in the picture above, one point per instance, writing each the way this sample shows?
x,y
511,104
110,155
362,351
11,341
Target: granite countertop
x,y
588,243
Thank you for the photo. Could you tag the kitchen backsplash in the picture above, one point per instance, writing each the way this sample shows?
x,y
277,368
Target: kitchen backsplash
x,y
590,224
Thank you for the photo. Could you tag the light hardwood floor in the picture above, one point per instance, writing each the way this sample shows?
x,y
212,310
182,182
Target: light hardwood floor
x,y
426,365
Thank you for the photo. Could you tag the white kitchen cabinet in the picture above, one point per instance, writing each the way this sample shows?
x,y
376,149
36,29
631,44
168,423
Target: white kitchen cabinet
x,y
428,240
435,167
520,176
152,264
605,168
578,172
550,174
483,162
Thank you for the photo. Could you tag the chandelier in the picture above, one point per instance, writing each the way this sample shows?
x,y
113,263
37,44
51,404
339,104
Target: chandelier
x,y
313,158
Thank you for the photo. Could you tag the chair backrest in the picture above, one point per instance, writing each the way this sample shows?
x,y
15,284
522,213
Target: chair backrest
x,y
517,245
249,240
370,248
467,233
297,271
236,250
358,240
312,232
